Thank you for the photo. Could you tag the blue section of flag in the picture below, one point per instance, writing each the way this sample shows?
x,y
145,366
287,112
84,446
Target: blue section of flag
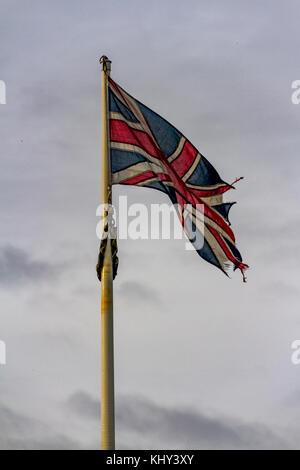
x,y
116,106
224,209
165,134
120,159
204,174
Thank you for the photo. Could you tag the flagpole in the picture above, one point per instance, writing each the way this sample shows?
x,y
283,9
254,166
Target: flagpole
x,y
107,335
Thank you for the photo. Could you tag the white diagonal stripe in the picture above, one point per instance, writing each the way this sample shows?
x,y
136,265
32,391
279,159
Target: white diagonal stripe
x,y
213,243
205,188
178,150
192,168
130,103
209,221
120,117
136,170
134,149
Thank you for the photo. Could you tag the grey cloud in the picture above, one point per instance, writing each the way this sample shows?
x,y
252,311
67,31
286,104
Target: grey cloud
x,y
141,292
84,405
279,289
184,428
152,426
292,401
18,267
19,432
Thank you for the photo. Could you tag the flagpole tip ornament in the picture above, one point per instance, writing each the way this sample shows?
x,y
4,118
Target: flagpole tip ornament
x,y
105,64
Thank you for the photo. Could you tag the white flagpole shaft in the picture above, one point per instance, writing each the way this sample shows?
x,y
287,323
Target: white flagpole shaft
x,y
107,334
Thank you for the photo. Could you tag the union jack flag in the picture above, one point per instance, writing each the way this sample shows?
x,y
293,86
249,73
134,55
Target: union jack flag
x,y
147,151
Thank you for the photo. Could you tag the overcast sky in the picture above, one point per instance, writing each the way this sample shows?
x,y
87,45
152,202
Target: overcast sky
x,y
201,361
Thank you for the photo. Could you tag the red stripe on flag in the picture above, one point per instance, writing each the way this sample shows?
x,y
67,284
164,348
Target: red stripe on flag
x,y
113,84
224,246
206,209
237,263
218,219
144,176
121,132
210,192
185,160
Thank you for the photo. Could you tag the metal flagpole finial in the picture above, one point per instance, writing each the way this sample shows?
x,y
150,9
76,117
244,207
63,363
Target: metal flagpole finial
x,y
105,64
